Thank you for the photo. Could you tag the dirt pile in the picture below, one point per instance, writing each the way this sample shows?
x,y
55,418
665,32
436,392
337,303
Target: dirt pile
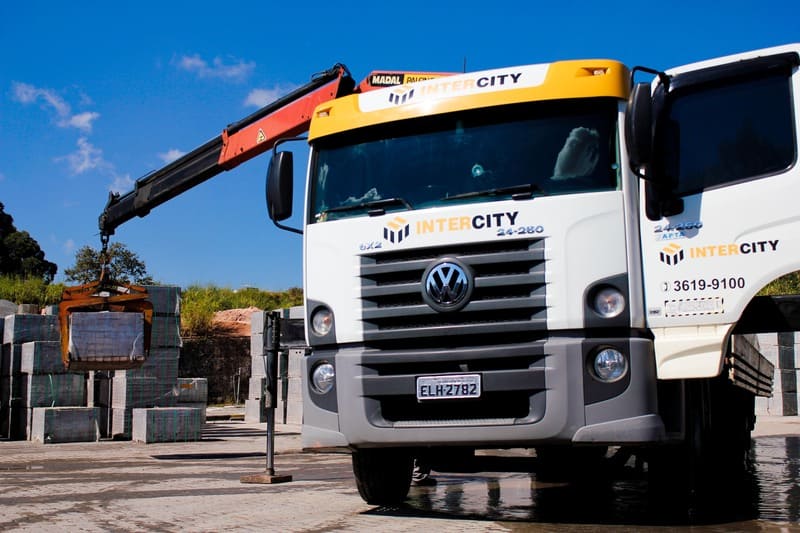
x,y
233,322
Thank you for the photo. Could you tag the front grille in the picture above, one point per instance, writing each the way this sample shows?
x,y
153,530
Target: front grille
x,y
512,377
509,293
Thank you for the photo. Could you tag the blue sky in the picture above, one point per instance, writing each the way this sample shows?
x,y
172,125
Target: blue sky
x,y
94,95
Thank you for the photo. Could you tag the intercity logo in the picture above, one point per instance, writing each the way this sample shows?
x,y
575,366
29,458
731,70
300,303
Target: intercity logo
x,y
671,254
396,230
401,95
674,254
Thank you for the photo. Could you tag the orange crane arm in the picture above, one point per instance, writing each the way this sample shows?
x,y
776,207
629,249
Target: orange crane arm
x,y
286,117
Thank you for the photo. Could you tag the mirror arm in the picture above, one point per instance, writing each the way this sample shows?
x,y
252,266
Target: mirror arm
x,y
274,152
287,228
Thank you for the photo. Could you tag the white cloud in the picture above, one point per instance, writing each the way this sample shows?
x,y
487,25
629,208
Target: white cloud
x,y
262,97
237,70
82,121
171,155
121,184
2,177
26,93
87,157
68,246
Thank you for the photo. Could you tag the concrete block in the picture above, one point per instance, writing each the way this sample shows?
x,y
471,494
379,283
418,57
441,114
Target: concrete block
x,y
258,366
42,357
294,402
106,336
9,400
10,359
159,367
6,382
296,356
20,423
165,300
770,351
764,407
201,406
175,424
166,331
121,423
257,322
104,422
135,392
98,389
64,424
256,387
790,404
257,348
788,379
53,390
192,390
254,412
162,353
7,308
19,329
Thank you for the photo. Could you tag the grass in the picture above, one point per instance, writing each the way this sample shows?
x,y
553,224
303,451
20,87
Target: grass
x,y
199,303
30,291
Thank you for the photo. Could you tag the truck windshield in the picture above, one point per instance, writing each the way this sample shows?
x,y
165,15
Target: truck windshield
x,y
520,151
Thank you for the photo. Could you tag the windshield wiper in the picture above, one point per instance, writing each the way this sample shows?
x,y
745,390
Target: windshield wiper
x,y
376,207
517,192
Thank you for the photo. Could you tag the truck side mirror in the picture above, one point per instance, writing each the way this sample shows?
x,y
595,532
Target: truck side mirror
x,y
280,179
639,128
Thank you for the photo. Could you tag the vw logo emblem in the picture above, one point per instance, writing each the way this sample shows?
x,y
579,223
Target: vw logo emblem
x,y
447,285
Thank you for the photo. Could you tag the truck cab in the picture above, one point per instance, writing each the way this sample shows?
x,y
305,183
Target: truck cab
x,y
546,256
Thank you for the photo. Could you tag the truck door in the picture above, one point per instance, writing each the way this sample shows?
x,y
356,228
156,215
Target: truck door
x,y
720,206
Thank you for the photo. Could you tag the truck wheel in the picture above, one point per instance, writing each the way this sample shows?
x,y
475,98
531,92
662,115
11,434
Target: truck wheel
x,y
383,475
718,420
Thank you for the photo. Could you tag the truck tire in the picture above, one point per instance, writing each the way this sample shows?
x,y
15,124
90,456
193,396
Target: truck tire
x,y
718,420
383,475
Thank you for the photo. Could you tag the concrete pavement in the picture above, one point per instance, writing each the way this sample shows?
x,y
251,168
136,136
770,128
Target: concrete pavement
x,y
196,486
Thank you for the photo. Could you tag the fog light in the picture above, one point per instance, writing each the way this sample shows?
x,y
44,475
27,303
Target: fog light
x,y
323,377
610,365
322,321
609,302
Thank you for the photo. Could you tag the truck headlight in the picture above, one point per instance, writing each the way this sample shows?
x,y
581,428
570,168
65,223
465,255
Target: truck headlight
x,y
323,377
322,321
610,365
608,302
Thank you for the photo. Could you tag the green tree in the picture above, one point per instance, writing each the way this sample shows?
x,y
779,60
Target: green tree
x,y
20,254
124,266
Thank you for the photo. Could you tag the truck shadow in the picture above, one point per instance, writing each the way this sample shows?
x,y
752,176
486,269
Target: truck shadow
x,y
769,491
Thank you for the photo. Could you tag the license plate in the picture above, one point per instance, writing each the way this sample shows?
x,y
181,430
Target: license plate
x,y
449,387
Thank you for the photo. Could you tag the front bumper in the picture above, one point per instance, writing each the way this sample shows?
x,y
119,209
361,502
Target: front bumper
x,y
534,393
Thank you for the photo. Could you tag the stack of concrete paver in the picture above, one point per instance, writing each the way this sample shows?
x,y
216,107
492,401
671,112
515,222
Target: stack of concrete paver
x,y
40,401
154,386
783,351
34,378
289,404
254,411
193,393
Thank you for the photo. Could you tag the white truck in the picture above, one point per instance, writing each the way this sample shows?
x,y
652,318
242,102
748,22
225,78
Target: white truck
x,y
548,256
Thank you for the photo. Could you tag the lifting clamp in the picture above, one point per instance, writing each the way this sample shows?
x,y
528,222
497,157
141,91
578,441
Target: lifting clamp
x,y
105,325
